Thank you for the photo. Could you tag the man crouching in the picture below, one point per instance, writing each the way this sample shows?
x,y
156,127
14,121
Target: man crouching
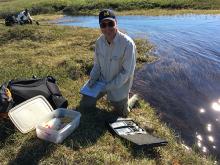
x,y
24,17
114,64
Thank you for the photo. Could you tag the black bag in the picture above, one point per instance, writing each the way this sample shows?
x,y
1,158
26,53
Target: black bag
x,y
10,20
23,90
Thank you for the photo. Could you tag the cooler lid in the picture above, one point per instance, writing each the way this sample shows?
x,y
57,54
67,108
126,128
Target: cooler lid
x,y
28,114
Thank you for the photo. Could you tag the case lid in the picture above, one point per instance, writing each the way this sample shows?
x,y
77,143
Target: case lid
x,y
126,128
28,114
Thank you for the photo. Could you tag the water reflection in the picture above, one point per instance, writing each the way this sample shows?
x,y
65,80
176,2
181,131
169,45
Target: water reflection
x,y
211,138
183,84
199,137
216,106
209,143
209,127
199,144
202,110
204,149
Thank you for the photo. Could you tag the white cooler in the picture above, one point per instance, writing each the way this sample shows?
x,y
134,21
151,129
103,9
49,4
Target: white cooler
x,y
33,113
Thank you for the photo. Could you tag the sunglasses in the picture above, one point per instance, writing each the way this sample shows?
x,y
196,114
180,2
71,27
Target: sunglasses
x,y
110,24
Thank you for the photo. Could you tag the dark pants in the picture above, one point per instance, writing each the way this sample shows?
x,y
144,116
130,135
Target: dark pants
x,y
121,106
25,22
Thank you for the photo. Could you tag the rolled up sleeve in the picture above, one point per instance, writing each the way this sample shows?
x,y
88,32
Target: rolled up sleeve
x,y
128,67
95,72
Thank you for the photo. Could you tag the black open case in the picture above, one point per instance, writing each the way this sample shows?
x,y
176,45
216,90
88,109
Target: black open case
x,y
129,130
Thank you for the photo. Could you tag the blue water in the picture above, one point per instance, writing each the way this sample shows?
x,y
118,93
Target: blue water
x,y
184,85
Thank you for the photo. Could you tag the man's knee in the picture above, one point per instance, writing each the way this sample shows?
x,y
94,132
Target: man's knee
x,y
87,102
121,107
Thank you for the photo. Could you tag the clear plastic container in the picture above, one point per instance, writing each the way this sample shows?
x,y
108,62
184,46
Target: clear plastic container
x,y
57,136
35,112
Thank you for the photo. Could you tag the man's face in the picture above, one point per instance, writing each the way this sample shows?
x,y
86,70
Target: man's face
x,y
109,28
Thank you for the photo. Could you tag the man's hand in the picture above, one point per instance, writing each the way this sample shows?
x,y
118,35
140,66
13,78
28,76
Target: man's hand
x,y
91,83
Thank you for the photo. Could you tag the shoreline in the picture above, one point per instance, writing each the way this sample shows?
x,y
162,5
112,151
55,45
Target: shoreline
x,y
141,12
152,12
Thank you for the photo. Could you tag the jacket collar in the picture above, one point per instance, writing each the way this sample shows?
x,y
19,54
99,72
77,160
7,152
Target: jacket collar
x,y
114,40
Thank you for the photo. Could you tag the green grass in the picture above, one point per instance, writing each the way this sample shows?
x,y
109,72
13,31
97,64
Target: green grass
x,y
88,7
158,12
67,54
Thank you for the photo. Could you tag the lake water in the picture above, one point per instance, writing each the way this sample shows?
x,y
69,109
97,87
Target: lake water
x,y
184,85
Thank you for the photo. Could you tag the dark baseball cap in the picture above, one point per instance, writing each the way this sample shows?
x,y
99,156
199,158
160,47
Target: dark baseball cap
x,y
106,14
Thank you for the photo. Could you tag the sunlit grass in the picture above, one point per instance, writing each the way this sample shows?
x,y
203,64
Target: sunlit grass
x,y
158,12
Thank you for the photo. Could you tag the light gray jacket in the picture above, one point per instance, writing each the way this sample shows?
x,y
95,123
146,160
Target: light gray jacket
x,y
115,64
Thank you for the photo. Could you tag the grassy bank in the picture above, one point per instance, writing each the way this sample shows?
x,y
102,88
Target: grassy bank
x,y
67,54
87,7
159,12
